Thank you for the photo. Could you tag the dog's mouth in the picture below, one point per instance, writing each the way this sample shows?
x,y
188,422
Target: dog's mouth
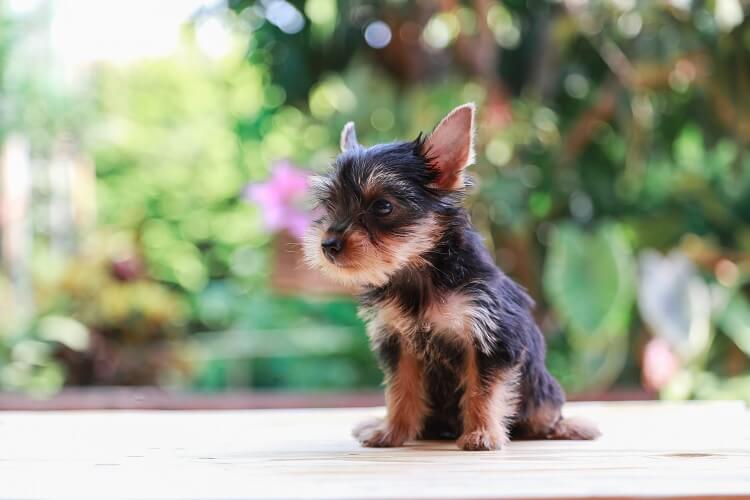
x,y
333,260
336,260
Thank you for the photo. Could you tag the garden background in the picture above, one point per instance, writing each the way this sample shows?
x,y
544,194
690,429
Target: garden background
x,y
154,169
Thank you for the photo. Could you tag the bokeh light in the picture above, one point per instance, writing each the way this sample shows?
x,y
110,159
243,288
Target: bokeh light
x,y
377,34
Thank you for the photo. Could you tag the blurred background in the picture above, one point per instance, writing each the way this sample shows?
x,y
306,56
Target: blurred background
x,y
153,175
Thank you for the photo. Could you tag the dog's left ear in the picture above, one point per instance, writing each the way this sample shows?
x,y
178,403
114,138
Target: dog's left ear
x,y
450,147
348,139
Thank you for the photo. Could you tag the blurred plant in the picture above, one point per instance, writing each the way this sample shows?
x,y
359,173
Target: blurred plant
x,y
581,123
109,323
684,313
734,319
606,129
100,321
213,125
589,282
26,362
675,303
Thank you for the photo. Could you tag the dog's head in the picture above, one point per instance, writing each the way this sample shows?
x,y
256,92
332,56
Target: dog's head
x,y
382,206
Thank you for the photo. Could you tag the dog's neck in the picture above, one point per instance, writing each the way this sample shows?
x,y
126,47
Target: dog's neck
x,y
455,260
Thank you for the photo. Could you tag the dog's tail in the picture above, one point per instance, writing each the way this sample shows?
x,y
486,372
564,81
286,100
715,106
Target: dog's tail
x,y
576,429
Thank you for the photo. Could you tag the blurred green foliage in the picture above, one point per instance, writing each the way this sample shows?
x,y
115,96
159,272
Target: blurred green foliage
x,y
606,129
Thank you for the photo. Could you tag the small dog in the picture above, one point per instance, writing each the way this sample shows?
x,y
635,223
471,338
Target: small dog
x,y
462,354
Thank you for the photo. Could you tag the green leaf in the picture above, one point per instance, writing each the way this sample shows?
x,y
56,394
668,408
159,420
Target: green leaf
x,y
596,368
688,148
735,321
589,280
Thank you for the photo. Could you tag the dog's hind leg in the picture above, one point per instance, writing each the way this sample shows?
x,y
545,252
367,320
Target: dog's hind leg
x,y
547,422
541,417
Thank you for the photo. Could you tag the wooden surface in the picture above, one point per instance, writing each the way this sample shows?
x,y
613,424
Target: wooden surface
x,y
155,398
672,450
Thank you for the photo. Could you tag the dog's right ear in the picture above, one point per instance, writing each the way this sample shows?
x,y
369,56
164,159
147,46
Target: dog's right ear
x,y
349,138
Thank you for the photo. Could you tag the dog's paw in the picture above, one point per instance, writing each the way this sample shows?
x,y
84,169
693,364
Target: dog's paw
x,y
482,440
377,433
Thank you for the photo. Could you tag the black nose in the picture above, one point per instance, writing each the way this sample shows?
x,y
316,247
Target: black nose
x,y
332,245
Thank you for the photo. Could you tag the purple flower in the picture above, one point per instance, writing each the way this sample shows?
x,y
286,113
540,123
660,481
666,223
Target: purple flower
x,y
280,199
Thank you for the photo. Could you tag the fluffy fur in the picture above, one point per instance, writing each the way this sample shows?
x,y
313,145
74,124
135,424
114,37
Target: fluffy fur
x,y
462,354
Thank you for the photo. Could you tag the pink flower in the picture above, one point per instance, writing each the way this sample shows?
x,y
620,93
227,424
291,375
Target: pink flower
x,y
280,199
659,364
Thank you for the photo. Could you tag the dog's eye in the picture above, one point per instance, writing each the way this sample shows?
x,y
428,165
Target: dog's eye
x,y
382,207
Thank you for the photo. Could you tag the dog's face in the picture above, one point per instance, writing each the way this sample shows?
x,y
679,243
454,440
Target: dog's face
x,y
381,205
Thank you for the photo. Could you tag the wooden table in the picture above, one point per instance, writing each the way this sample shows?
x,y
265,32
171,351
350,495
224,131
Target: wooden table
x,y
666,450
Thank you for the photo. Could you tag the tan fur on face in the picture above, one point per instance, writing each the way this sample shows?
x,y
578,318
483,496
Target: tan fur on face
x,y
363,262
378,178
406,403
488,407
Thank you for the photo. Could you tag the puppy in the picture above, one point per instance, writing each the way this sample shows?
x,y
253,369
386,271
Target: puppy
x,y
461,353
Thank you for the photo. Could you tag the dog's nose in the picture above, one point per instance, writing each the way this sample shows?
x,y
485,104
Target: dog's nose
x,y
332,245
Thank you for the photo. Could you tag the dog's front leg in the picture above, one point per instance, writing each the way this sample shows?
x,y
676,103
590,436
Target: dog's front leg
x,y
404,397
488,405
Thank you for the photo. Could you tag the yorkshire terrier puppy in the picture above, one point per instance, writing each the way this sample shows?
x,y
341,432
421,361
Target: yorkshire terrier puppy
x,y
462,354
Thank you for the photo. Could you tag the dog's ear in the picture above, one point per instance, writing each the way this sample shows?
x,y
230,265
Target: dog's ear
x,y
348,140
450,147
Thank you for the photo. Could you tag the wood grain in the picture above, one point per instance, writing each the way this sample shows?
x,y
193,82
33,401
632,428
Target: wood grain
x,y
648,450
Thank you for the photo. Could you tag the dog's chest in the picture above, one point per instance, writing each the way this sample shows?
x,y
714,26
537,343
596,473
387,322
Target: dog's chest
x,y
447,317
